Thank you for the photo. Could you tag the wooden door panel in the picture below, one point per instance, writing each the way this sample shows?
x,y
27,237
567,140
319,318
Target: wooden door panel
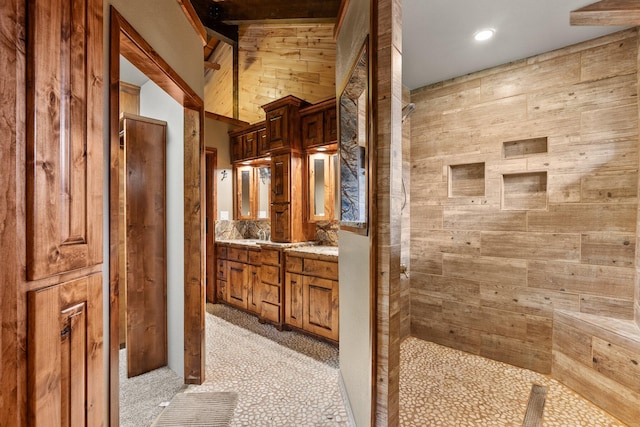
x,y
64,136
65,362
280,223
312,130
277,128
146,246
280,182
294,302
237,285
330,125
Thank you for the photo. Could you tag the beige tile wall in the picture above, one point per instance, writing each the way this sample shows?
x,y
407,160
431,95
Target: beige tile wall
x,y
493,256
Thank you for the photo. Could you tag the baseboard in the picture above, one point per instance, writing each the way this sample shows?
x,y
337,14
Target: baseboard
x,y
345,399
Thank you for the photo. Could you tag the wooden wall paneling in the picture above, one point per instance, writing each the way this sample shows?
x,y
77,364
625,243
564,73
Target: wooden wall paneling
x,y
607,12
218,86
194,246
211,201
64,106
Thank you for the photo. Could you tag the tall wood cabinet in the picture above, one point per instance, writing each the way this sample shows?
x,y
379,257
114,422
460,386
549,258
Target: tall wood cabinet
x,y
62,286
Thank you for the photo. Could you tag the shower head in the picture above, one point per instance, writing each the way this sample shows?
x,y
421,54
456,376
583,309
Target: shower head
x,y
407,110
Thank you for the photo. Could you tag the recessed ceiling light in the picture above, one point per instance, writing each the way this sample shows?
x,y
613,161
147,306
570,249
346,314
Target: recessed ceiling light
x,y
484,34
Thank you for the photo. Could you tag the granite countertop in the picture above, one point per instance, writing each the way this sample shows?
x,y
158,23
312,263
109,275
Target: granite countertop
x,y
258,242
329,252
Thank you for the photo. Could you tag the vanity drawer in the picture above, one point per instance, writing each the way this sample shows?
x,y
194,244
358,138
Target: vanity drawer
x,y
254,256
319,268
237,254
270,274
221,251
221,268
294,264
271,256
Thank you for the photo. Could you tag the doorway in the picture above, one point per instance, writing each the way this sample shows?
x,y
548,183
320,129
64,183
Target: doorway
x,y
126,41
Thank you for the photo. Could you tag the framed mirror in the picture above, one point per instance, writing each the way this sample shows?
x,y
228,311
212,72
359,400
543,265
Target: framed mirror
x,y
253,191
353,145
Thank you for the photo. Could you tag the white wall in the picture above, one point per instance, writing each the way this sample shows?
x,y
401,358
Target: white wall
x,y
355,312
216,135
156,104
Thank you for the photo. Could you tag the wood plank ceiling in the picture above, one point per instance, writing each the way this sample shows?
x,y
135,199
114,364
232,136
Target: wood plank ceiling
x,y
221,18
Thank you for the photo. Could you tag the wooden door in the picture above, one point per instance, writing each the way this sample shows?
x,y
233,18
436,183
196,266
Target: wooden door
x,y
280,223
277,128
145,147
65,362
253,289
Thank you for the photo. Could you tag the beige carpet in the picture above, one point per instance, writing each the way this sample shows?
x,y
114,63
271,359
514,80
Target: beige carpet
x,y
210,409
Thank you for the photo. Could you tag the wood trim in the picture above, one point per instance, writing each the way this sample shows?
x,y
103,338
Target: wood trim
x,y
211,65
342,12
194,20
137,51
211,197
608,12
194,247
225,119
124,39
13,394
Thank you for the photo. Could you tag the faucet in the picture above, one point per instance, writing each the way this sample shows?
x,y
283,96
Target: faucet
x,y
261,235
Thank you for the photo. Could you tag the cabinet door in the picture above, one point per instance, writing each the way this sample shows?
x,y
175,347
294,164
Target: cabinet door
x,y
280,223
312,130
65,358
320,306
280,182
277,128
64,136
294,300
263,142
330,126
236,147
237,285
250,145
254,296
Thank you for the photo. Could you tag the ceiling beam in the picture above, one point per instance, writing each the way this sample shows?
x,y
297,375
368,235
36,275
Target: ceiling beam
x,y
608,12
239,12
206,10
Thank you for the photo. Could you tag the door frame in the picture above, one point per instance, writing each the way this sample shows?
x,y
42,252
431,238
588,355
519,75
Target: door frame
x,y
125,40
211,197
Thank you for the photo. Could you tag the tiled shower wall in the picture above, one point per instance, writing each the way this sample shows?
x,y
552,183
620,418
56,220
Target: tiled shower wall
x,y
405,251
524,182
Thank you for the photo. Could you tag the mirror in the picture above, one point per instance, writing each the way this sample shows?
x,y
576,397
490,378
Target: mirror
x,y
322,189
253,190
264,191
353,140
245,187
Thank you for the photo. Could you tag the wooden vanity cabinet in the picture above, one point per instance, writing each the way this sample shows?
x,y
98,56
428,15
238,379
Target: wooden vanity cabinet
x,y
287,200
312,294
238,276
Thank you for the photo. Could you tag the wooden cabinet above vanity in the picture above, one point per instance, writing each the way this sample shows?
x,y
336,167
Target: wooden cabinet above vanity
x,y
293,151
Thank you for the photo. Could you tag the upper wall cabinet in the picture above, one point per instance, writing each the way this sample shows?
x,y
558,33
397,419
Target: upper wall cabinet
x,y
283,123
319,125
64,136
248,143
